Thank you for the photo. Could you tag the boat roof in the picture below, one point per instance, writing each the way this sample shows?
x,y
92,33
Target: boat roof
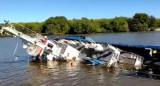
x,y
134,45
83,39
75,38
142,46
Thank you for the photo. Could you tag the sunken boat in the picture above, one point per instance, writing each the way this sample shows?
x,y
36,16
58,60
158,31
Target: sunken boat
x,y
84,49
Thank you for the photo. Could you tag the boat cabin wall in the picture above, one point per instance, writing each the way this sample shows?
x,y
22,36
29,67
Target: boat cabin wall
x,y
71,53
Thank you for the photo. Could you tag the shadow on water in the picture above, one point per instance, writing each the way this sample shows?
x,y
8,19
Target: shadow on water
x,y
62,73
150,72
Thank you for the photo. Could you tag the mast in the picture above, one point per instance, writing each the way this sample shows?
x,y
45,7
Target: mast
x,y
21,35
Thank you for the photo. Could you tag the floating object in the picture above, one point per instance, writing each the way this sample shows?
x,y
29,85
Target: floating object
x,y
72,64
94,62
16,58
154,51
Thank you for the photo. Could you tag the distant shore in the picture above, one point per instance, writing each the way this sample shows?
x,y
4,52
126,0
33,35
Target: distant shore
x,y
60,25
4,35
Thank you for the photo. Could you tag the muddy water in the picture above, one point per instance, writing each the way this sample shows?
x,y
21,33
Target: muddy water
x,y
17,70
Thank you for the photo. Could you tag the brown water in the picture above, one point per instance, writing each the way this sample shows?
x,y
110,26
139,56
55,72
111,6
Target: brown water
x,y
18,71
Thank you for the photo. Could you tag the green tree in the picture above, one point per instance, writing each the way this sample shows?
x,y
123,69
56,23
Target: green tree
x,y
87,25
139,22
48,26
157,23
84,26
119,24
104,25
60,25
76,27
152,24
57,25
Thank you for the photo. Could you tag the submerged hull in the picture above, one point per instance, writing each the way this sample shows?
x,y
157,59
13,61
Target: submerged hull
x,y
108,55
151,54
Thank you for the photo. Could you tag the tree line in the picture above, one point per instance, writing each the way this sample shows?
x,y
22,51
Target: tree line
x,y
60,25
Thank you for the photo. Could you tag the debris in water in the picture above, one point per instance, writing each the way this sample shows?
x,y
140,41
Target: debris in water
x,y
16,58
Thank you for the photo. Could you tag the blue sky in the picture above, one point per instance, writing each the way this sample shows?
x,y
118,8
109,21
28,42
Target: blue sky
x,y
40,10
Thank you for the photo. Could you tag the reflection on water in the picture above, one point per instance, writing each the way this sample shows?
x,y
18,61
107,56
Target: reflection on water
x,y
55,73
141,38
62,73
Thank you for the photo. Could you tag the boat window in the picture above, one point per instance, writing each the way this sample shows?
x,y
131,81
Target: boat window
x,y
50,45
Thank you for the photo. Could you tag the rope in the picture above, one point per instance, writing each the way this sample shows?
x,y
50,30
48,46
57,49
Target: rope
x,y
15,49
28,29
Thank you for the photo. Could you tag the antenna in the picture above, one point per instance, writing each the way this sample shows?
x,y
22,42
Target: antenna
x,y
6,22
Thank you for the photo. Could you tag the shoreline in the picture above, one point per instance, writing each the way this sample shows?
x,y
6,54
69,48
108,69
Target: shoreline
x,y
2,36
158,29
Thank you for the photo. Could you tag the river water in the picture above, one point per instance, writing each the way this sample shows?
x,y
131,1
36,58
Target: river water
x,y
17,70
